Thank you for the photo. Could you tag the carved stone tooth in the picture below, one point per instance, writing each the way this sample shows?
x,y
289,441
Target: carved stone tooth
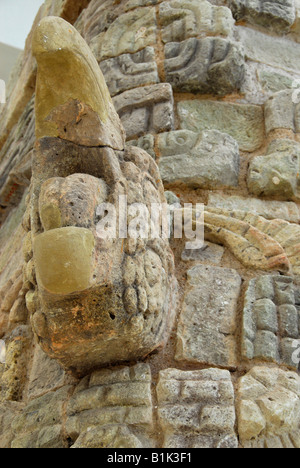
x,y
72,98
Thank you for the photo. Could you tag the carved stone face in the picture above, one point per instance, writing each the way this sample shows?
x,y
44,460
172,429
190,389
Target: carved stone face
x,y
93,301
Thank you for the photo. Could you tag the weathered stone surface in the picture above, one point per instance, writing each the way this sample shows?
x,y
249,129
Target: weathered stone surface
x,y
278,15
269,409
108,405
271,320
277,173
45,375
131,4
40,423
130,71
252,239
112,436
208,160
207,325
274,51
16,361
243,122
15,162
78,110
129,33
282,110
196,409
182,19
147,143
273,81
210,65
255,241
269,209
8,412
209,253
147,109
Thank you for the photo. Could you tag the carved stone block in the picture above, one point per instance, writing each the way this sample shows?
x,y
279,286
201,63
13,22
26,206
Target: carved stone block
x,y
110,404
269,409
208,160
278,15
129,33
130,71
207,324
40,423
269,209
277,173
147,109
196,409
243,122
210,65
271,321
282,110
181,19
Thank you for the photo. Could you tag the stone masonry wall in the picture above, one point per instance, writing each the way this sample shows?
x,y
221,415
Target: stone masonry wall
x,y
210,89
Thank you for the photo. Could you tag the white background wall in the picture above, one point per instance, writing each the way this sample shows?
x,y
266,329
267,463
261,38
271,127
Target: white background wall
x,y
16,18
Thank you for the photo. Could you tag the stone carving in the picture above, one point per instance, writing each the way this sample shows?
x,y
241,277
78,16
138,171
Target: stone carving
x,y
256,242
210,65
243,122
12,301
65,108
15,165
269,209
277,173
208,160
46,375
146,109
16,361
129,33
209,253
130,71
282,112
8,412
278,15
146,142
207,324
131,4
40,423
196,409
93,300
245,235
108,405
182,19
269,409
271,320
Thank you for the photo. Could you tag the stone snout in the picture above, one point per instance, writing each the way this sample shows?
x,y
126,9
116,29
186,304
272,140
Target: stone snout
x,y
93,301
99,301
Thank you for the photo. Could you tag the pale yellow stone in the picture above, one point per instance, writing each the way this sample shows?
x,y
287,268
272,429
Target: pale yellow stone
x,y
63,259
251,420
69,73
